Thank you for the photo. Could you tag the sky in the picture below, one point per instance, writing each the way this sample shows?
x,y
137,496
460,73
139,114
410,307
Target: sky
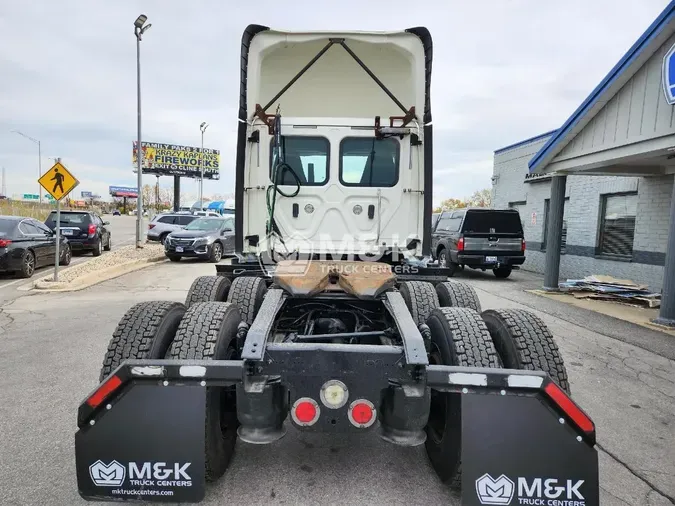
x,y
503,71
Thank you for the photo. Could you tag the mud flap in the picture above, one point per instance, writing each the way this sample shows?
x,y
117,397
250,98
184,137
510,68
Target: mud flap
x,y
148,446
516,450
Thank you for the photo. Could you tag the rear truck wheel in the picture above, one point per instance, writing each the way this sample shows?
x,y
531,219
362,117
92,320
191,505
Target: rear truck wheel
x,y
420,297
173,258
216,253
108,244
98,248
145,331
208,331
67,255
458,337
247,293
27,264
503,272
524,342
456,294
162,238
445,263
208,289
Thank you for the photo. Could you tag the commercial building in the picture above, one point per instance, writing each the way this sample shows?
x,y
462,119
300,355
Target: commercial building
x,y
596,195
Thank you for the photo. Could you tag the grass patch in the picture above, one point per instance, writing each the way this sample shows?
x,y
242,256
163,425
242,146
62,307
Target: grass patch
x,y
26,209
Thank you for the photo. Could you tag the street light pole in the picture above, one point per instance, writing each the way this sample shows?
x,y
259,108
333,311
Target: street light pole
x,y
39,157
139,29
202,128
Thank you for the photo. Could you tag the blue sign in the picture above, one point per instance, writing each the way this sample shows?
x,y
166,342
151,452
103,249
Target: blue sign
x,y
668,74
86,195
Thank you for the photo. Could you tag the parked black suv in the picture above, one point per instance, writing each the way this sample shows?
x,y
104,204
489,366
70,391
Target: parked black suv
x,y
85,230
479,238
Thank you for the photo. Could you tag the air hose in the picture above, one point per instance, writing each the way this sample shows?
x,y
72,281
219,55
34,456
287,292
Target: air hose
x,y
278,172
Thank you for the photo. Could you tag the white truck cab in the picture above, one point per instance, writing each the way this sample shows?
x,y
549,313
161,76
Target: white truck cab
x,y
342,120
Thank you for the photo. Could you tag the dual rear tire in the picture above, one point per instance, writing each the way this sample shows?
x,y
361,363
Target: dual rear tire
x,y
460,335
204,331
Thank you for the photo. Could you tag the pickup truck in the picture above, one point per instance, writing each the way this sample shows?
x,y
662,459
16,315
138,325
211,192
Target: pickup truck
x,y
479,238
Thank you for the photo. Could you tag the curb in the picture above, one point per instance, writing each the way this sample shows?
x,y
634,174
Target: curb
x,y
94,278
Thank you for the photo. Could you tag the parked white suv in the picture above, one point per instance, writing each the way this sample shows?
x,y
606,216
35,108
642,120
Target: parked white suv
x,y
163,224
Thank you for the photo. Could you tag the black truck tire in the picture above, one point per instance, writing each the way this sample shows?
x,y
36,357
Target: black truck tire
x,y
208,289
502,272
458,337
421,299
247,293
456,294
445,262
208,331
145,331
524,342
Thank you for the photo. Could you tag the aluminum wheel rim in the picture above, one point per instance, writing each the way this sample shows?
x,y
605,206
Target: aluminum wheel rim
x,y
29,263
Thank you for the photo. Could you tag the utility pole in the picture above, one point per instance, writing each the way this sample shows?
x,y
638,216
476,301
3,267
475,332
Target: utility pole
x,y
39,145
202,128
139,29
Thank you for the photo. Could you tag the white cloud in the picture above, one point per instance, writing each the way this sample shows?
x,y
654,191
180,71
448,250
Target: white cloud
x,y
502,71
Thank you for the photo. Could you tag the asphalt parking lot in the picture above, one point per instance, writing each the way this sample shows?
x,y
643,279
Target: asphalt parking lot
x,y
52,345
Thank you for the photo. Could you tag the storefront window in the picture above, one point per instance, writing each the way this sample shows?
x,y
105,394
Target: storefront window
x,y
617,229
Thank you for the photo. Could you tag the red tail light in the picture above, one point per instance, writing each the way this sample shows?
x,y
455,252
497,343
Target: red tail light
x,y
4,243
460,244
104,391
523,245
561,399
305,411
92,229
361,413
151,226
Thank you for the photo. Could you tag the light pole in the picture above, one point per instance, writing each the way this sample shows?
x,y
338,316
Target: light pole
x,y
202,128
139,30
39,157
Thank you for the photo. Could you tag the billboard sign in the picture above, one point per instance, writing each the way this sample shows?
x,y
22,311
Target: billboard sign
x,y
86,195
123,191
175,160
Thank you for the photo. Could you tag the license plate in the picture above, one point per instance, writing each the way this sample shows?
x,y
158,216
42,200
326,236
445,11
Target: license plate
x,y
179,249
491,260
67,232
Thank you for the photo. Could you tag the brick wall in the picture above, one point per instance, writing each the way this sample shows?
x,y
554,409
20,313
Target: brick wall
x,y
582,215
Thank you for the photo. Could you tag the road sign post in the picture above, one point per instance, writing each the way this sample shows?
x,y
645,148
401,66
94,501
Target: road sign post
x,y
63,183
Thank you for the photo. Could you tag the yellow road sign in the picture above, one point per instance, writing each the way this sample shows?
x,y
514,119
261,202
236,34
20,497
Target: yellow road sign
x,y
58,182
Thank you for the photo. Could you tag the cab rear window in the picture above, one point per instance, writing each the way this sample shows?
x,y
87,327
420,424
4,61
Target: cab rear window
x,y
492,222
368,161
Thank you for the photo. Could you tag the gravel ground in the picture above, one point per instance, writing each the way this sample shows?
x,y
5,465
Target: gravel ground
x,y
115,258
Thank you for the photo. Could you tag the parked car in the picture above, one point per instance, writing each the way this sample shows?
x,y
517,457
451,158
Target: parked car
x,y
207,213
163,224
26,245
85,230
480,239
209,238
116,212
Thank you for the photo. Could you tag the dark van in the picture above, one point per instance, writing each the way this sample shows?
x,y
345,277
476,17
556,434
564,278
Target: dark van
x,y
479,238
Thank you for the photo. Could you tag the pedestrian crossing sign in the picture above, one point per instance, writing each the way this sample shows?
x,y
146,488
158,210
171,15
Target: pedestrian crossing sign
x,y
58,182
